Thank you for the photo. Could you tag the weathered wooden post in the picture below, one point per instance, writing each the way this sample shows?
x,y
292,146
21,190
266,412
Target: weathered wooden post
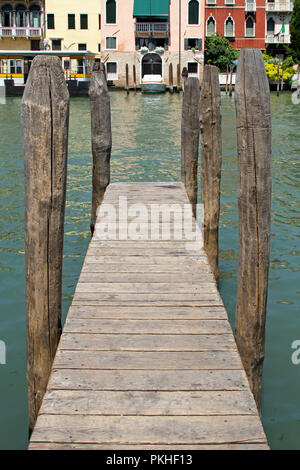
x,y
278,78
178,78
134,77
230,81
127,79
211,139
227,73
190,132
101,137
45,118
185,75
171,78
252,95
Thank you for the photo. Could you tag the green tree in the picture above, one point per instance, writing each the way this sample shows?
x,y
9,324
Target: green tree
x,y
295,31
219,52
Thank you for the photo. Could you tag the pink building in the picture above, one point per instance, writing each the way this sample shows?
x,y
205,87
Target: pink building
x,y
151,35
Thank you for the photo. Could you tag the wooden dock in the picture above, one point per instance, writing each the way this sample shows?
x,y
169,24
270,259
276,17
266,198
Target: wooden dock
x,y
147,359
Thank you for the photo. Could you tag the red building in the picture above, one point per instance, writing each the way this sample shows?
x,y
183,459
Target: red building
x,y
242,22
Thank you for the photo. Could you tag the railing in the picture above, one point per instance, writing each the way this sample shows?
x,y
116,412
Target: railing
x,y
16,32
279,6
278,39
250,6
152,28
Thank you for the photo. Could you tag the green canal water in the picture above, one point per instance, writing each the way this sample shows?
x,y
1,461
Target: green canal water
x,y
146,147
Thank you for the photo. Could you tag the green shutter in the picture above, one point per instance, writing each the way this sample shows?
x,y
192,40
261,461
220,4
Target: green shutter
x,y
71,21
50,21
186,44
111,11
193,12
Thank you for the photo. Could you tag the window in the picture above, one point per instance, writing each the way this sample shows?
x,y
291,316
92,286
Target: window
x,y
7,16
82,47
21,16
249,26
211,27
99,21
35,17
111,43
50,21
35,45
193,43
56,44
210,2
71,21
99,47
229,28
271,26
111,12
83,21
16,66
193,69
229,2
193,12
112,68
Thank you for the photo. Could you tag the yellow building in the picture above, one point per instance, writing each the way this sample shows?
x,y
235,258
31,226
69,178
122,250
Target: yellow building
x,y
73,25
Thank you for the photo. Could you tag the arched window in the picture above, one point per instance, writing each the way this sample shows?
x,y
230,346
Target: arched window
x,y
21,16
229,27
7,16
271,26
249,26
111,11
211,27
193,12
35,17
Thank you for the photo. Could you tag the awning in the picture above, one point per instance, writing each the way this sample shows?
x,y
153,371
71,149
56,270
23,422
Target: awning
x,y
153,8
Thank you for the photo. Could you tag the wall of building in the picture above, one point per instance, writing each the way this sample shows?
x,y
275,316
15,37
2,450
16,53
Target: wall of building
x,y
221,11
126,53
72,37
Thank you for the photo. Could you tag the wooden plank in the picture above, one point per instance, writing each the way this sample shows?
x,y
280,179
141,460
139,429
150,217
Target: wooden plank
x,y
136,342
149,429
147,258
175,380
143,277
66,402
108,360
150,313
154,299
144,326
145,287
145,268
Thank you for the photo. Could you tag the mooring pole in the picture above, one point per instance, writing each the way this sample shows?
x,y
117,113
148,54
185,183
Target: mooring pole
x,y
178,78
171,78
45,119
252,95
190,131
211,139
101,137
134,77
127,79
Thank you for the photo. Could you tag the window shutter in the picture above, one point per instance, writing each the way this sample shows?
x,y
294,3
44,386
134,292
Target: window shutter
x,y
186,44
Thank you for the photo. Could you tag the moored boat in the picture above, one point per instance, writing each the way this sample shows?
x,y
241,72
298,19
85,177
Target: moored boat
x,y
153,84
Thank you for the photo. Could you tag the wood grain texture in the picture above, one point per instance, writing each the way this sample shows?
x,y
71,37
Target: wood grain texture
x,y
190,131
45,119
147,358
252,97
101,137
211,160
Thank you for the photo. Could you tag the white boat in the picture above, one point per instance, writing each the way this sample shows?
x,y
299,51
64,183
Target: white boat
x,y
153,84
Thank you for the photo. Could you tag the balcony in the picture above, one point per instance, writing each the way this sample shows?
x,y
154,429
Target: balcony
x,y
15,32
250,6
278,39
152,29
283,6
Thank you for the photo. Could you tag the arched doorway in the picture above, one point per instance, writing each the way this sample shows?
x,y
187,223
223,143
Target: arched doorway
x,y
151,65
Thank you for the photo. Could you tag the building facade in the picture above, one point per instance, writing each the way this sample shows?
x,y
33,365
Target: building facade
x,y
149,35
250,23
